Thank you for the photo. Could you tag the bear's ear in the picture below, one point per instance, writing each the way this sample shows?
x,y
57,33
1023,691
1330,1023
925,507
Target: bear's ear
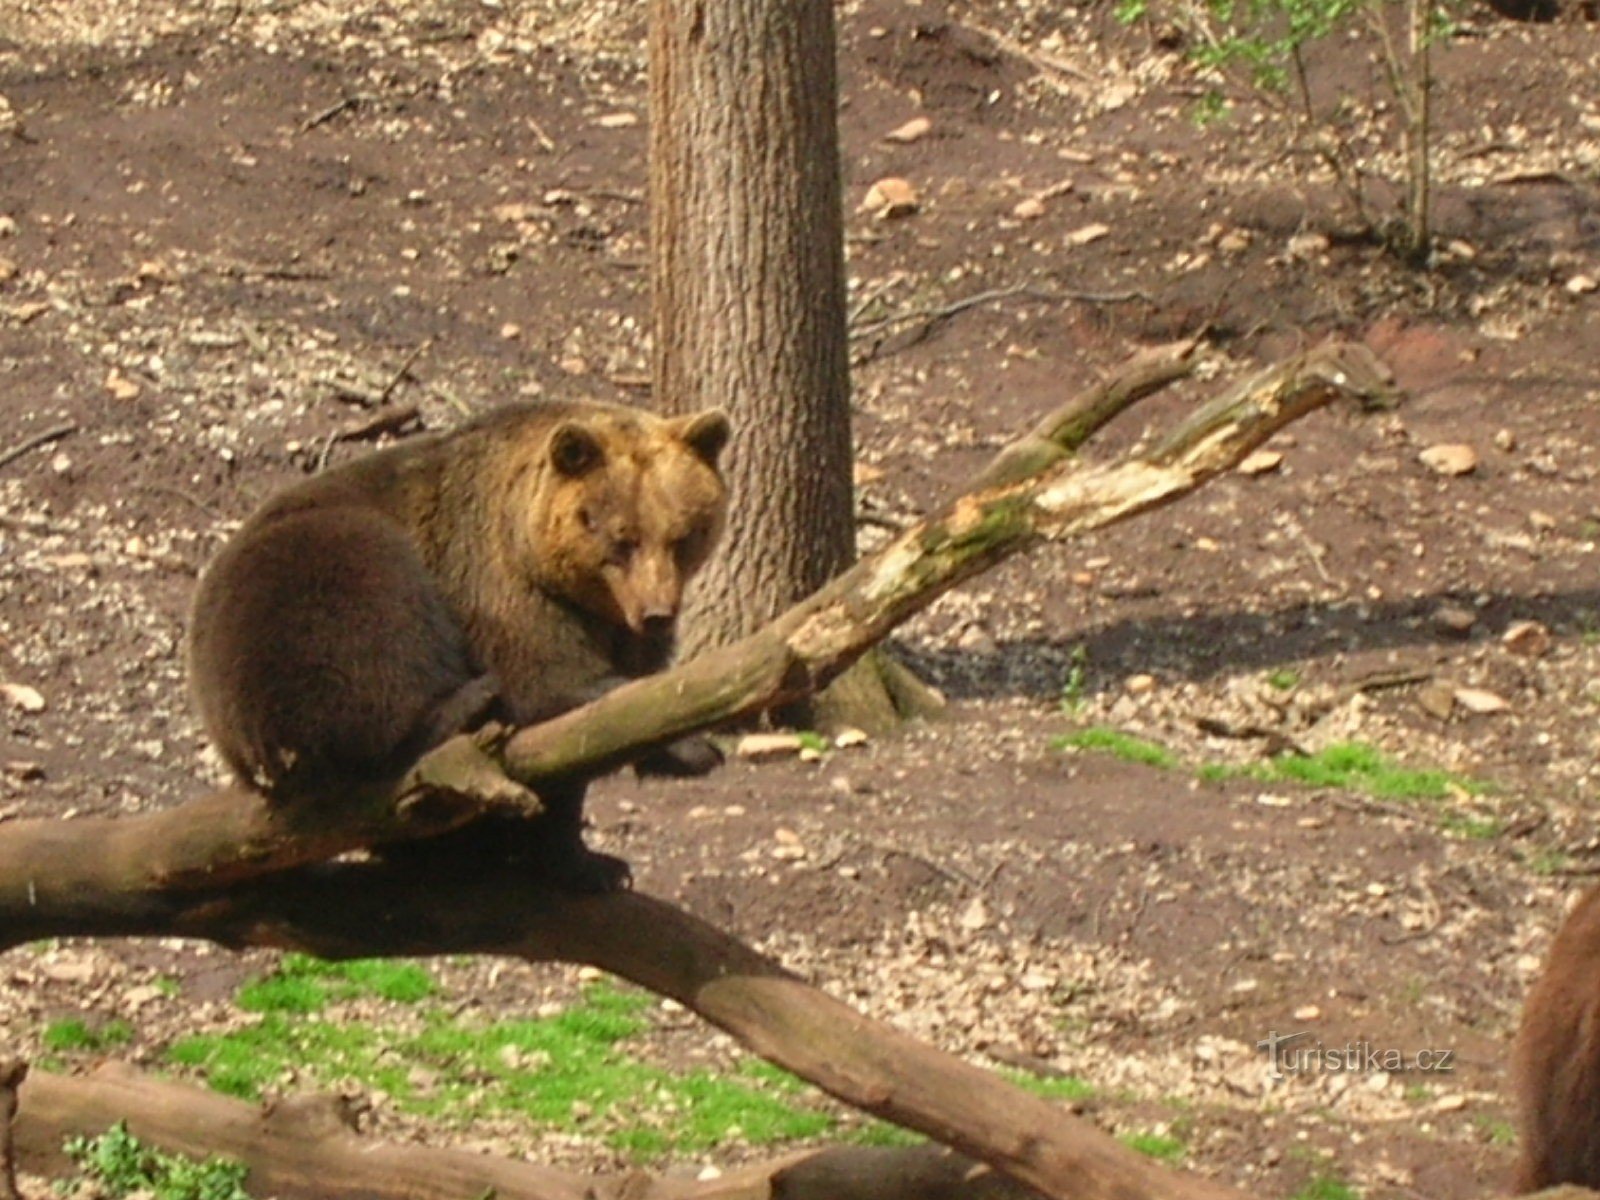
x,y
705,433
574,449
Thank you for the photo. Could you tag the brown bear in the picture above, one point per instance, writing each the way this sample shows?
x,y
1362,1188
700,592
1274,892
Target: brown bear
x,y
1556,1062
515,568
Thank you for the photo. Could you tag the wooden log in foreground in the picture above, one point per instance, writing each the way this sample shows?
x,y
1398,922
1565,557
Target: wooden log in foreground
x,y
308,1147
217,868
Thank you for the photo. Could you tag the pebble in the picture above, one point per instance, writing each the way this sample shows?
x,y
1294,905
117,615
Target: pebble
x,y
1528,639
1450,458
1454,620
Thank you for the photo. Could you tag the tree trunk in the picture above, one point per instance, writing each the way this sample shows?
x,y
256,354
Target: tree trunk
x,y
747,232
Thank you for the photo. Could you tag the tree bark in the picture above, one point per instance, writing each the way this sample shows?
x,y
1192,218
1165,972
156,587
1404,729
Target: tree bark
x,y
747,231
748,274
12,1073
307,1147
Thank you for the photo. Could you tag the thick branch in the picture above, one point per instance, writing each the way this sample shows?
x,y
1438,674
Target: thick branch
x,y
807,646
350,909
48,871
307,1147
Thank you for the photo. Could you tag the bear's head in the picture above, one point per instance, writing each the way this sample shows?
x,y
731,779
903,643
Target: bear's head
x,y
633,505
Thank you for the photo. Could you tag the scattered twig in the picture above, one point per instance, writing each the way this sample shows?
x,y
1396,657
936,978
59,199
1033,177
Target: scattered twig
x,y
546,142
332,111
941,312
392,421
1380,681
873,294
417,352
1049,66
161,489
54,434
1277,742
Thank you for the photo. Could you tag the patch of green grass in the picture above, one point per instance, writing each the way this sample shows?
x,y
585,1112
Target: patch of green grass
x,y
1059,1087
1122,745
1356,767
570,1071
1076,682
303,984
1326,1187
1498,1130
817,743
1284,679
1545,860
117,1164
881,1133
1160,1146
75,1033
1476,829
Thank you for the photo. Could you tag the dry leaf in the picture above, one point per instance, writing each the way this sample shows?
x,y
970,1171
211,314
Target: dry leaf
x,y
911,131
1477,700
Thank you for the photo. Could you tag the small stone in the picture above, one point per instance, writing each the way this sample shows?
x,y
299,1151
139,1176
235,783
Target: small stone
x,y
890,197
1529,639
1307,1012
1083,235
1139,685
1454,620
1437,699
120,386
1308,245
1260,462
1480,701
975,916
1541,521
8,270
848,738
1450,458
758,747
20,695
1505,439
618,120
23,770
1582,285
913,130
1234,241
1029,209
511,331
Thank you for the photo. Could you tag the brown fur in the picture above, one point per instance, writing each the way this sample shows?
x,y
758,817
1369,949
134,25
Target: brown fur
x,y
1556,1063
525,564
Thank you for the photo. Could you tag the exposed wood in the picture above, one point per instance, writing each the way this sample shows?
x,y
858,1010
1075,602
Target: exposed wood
x,y
306,1148
12,1073
54,434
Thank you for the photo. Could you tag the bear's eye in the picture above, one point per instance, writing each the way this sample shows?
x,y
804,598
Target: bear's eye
x,y
622,550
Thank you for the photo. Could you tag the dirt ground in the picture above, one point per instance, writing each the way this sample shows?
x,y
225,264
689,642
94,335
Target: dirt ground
x,y
233,234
